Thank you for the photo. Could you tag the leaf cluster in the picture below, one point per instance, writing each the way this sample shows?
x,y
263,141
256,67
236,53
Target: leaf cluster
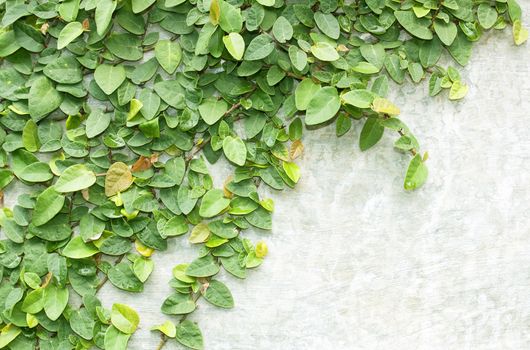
x,y
112,110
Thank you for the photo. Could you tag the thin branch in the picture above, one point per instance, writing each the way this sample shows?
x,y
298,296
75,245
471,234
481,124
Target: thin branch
x,y
106,278
199,147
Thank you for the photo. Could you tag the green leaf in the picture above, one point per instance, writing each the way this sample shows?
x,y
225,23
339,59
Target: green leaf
x,y
374,54
430,52
370,134
419,27
43,98
97,122
282,30
108,77
30,136
178,304
360,98
417,173
77,249
292,170
323,106
57,229
82,323
230,19
140,5
142,268
9,333
446,31
175,226
203,267
259,48
103,15
75,178
514,10
235,150
55,301
304,93
36,172
6,176
49,203
328,24
179,272
487,16
171,93
124,318
34,301
115,340
213,203
267,3
416,71
324,52
69,33
461,49
90,227
219,295
212,109
123,277
298,57
168,53
189,334
235,45
64,70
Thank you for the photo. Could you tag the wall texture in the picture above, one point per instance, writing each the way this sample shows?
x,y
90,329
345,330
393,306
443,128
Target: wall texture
x,y
357,263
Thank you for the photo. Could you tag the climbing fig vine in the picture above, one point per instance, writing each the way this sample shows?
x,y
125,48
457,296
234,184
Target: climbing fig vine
x,y
111,111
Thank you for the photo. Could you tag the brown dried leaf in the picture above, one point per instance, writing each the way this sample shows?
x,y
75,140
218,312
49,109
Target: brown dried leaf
x,y
85,194
142,163
47,280
297,148
86,24
44,28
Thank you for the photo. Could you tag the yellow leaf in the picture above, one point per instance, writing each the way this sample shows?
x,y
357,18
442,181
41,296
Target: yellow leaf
x,y
200,233
135,107
118,179
520,33
384,106
142,249
261,249
458,91
267,204
129,216
215,12
31,321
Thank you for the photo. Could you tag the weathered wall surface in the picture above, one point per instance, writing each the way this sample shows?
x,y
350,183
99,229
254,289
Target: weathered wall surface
x,y
357,263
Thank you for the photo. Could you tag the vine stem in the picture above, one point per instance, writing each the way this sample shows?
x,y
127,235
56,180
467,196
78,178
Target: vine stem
x,y
401,133
106,278
199,147
162,341
163,337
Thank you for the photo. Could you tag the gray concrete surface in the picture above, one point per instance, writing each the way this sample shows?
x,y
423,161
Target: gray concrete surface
x,y
357,263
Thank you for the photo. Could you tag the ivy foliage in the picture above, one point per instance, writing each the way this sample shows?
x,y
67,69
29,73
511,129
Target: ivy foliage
x,y
111,110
